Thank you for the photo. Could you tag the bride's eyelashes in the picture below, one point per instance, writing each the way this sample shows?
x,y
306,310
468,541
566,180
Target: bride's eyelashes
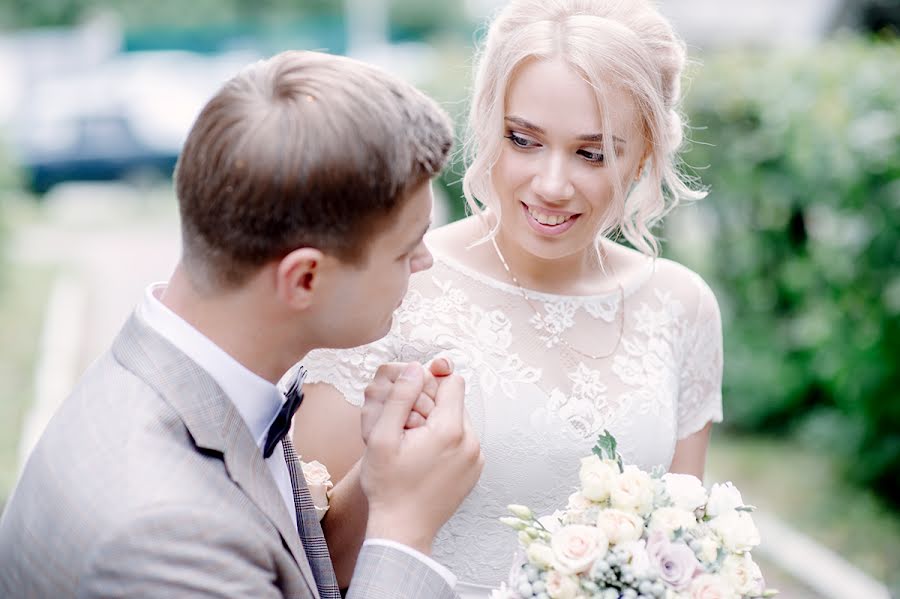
x,y
520,141
592,156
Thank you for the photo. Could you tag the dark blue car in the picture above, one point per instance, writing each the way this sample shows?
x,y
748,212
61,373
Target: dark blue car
x,y
95,148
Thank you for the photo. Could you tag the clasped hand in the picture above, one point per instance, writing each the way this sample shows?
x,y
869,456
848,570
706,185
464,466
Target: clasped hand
x,y
422,457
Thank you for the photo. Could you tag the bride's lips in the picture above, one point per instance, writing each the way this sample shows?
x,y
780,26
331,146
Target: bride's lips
x,y
549,229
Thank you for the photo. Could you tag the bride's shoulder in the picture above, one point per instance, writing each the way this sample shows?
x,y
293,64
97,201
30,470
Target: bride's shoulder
x,y
666,277
454,241
450,237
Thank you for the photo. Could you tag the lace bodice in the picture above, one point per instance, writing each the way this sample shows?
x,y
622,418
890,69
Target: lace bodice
x,y
537,405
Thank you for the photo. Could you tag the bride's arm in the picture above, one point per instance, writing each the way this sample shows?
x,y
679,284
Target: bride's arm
x,y
327,428
690,453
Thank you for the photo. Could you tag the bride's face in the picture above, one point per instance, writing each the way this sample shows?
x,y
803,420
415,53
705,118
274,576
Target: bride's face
x,y
553,177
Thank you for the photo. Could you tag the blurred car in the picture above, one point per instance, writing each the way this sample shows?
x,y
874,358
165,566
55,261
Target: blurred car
x,y
124,119
99,147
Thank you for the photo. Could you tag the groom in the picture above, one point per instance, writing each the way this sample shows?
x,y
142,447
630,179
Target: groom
x,y
304,192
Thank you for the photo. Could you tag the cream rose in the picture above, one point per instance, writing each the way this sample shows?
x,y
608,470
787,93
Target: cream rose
x,y
576,547
710,586
579,509
633,491
708,551
318,480
560,586
619,526
685,491
598,477
669,519
723,498
737,531
742,574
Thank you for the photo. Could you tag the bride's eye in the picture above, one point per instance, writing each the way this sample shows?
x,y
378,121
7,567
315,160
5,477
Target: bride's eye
x,y
592,156
520,141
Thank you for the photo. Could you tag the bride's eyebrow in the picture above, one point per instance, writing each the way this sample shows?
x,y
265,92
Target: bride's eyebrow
x,y
591,137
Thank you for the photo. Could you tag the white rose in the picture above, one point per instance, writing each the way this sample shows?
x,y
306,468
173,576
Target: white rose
x,y
633,491
709,550
619,526
579,509
742,574
669,519
560,586
552,523
597,477
737,531
685,491
540,555
576,547
723,498
710,586
636,557
318,480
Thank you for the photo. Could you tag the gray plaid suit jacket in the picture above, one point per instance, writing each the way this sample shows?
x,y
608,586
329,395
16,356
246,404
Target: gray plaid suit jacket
x,y
147,483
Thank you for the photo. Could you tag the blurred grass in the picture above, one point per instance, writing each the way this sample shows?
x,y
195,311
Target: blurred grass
x,y
805,489
23,296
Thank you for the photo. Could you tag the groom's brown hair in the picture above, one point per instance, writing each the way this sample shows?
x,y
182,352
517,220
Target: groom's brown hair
x,y
302,150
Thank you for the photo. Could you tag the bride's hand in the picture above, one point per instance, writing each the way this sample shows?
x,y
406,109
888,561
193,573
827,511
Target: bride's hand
x,y
386,376
437,368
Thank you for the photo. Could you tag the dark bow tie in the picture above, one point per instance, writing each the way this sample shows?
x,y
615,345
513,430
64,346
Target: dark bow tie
x,y
282,423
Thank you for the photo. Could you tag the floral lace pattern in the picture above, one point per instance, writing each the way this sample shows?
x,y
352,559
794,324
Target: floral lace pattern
x,y
538,406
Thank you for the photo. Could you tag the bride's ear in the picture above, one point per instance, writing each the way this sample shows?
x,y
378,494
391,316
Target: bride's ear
x,y
298,276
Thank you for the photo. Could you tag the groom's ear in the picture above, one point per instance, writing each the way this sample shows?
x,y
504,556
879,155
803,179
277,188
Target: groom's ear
x,y
298,275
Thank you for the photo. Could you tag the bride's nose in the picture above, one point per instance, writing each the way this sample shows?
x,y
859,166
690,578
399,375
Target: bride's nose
x,y
552,181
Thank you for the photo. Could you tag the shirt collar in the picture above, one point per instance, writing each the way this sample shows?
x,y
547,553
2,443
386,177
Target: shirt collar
x,y
256,399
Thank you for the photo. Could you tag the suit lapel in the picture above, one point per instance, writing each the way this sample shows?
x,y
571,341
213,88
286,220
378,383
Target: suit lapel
x,y
213,422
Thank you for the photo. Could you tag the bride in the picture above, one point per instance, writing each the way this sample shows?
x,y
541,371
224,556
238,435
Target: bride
x,y
559,331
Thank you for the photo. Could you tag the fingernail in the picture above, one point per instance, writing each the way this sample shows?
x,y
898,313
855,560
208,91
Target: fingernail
x,y
412,372
449,363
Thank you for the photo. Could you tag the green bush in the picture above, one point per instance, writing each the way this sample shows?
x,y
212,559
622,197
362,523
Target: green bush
x,y
801,150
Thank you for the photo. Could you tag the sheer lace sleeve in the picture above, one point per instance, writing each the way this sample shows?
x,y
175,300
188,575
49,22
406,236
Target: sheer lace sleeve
x,y
700,389
350,370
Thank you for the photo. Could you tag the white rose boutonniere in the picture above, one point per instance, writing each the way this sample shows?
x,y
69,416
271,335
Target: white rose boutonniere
x,y
319,482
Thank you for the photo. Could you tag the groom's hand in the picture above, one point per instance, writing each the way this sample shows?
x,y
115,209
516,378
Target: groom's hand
x,y
415,479
381,384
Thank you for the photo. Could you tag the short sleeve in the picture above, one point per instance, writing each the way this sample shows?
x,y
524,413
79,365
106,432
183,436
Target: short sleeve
x,y
351,370
700,385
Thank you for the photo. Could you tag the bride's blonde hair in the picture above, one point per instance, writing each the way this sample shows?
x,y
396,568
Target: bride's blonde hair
x,y
626,43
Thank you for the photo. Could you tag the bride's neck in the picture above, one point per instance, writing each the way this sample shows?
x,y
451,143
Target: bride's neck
x,y
578,274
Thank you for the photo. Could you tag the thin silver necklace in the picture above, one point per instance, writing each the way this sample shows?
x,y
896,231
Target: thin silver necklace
x,y
565,343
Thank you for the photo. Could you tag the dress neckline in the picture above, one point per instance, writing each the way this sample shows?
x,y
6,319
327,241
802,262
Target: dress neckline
x,y
607,297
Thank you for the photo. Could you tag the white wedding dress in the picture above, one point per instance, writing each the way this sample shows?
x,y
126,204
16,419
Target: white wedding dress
x,y
537,405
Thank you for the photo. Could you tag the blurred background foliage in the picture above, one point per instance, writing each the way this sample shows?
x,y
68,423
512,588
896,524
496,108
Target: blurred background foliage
x,y
801,238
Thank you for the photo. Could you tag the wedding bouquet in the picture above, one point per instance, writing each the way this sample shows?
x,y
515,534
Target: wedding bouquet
x,y
628,534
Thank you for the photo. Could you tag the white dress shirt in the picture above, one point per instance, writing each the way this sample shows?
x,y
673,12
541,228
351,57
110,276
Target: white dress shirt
x,y
256,399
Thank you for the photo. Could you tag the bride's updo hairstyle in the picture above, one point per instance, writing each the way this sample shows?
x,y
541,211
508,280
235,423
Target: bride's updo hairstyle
x,y
624,43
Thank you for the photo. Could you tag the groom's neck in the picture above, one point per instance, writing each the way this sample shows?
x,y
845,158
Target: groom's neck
x,y
239,321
